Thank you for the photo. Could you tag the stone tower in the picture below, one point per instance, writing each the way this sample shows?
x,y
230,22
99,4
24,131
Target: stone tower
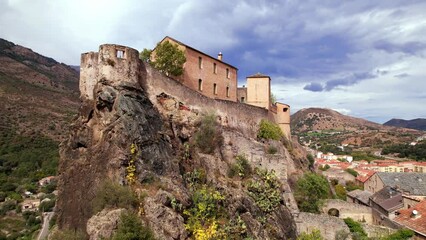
x,y
282,118
259,90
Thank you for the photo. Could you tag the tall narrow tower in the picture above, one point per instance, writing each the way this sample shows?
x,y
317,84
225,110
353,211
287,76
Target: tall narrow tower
x,y
259,90
282,118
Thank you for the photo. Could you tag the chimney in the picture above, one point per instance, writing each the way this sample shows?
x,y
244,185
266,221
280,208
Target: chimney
x,y
220,56
415,214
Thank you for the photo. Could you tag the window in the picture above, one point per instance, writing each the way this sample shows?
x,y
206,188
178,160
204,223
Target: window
x,y
215,89
285,109
200,85
242,99
200,62
214,68
227,91
120,54
227,73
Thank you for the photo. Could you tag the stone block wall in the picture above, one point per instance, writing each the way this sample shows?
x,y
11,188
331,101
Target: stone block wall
x,y
327,225
243,117
352,210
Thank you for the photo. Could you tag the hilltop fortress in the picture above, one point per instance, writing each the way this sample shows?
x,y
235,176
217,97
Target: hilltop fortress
x,y
207,85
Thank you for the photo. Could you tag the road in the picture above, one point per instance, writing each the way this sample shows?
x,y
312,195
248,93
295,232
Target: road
x,y
45,228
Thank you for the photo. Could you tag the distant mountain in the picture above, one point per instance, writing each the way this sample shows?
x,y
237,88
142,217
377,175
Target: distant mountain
x,y
341,129
419,123
38,95
312,119
77,68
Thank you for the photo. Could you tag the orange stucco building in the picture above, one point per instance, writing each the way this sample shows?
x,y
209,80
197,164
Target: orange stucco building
x,y
208,75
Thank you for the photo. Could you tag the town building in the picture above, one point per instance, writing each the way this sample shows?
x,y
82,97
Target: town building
x,y
414,218
30,205
412,184
384,204
359,196
209,76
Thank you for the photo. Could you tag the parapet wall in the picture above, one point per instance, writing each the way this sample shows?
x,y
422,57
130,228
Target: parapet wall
x,y
233,114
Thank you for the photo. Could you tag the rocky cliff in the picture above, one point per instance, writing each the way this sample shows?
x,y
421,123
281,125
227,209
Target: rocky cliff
x,y
154,141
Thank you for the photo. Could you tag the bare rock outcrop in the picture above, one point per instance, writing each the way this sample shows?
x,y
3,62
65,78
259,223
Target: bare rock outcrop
x,y
103,224
118,112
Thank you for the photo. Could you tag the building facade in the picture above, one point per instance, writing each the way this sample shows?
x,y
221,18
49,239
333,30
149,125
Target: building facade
x,y
208,75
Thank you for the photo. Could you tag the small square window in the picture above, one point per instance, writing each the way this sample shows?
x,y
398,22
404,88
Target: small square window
x,y
120,54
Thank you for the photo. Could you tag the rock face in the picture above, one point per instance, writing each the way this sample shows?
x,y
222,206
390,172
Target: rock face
x,y
119,111
103,224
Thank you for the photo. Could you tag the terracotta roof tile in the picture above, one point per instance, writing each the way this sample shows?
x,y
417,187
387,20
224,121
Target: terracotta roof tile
x,y
407,218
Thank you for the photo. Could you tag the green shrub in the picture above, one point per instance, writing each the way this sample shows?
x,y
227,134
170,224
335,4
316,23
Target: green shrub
x,y
202,216
269,130
314,235
272,150
265,190
340,192
195,178
114,195
311,160
130,227
209,137
310,190
401,234
325,168
356,229
47,206
241,167
352,172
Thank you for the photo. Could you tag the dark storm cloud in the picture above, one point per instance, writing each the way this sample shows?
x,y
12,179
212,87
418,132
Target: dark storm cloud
x,y
348,81
314,87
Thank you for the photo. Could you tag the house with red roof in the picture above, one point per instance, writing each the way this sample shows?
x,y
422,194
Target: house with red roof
x,y
414,218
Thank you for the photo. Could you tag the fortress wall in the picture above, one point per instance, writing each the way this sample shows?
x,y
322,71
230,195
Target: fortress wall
x,y
88,74
236,115
327,225
120,65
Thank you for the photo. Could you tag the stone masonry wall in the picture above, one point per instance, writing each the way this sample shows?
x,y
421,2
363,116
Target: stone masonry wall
x,y
352,210
243,117
327,225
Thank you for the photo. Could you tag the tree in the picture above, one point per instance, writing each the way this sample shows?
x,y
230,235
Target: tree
x,y
145,55
310,189
340,192
168,58
269,130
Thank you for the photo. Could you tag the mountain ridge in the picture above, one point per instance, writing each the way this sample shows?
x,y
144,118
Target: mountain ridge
x,y
417,123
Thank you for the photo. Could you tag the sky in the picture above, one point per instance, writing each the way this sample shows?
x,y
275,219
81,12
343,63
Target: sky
x,y
362,58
